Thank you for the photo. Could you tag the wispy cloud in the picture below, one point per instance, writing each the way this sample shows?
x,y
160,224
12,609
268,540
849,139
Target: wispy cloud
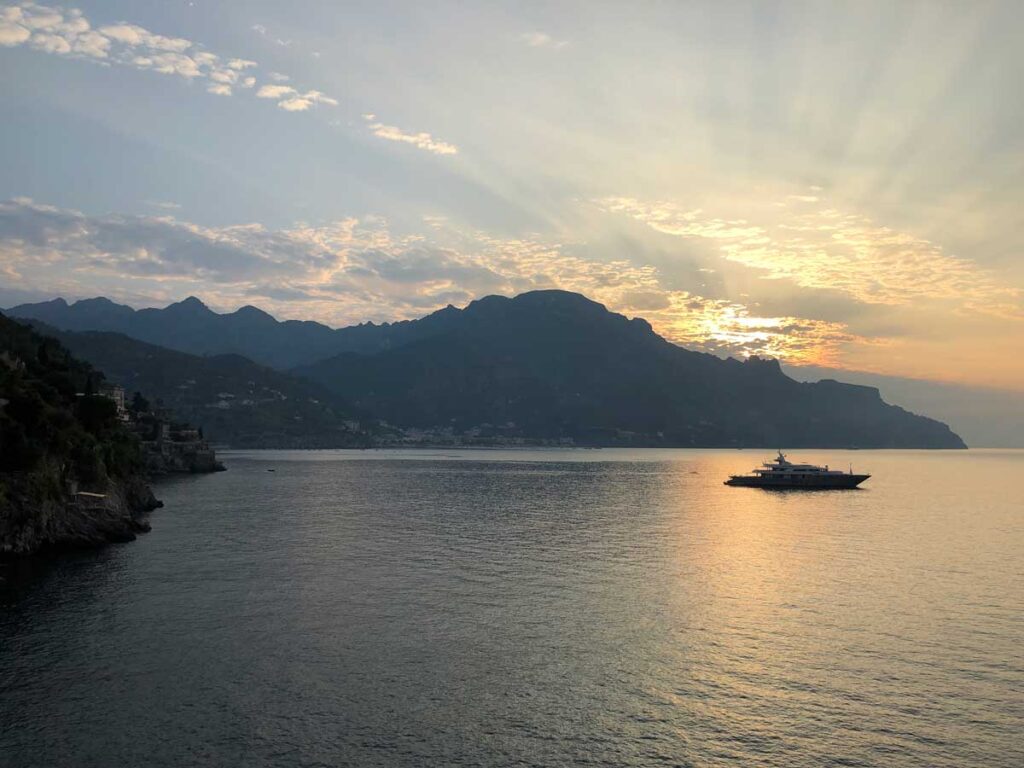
x,y
542,40
421,140
819,247
290,99
67,32
353,269
262,31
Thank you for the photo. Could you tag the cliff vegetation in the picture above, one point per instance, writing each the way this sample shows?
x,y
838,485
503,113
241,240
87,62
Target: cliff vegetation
x,y
71,473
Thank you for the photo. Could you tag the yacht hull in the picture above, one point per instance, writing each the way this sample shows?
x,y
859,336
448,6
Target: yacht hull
x,y
802,482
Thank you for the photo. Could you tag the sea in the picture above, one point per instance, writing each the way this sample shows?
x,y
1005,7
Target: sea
x,y
533,608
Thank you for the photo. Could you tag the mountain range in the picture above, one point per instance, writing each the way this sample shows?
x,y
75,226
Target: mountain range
x,y
547,365
190,326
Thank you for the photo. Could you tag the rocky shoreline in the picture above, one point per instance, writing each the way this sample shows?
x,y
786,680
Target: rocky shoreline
x,y
39,515
79,521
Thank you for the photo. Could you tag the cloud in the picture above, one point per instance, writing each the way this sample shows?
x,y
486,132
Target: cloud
x,y
66,32
353,270
50,31
136,37
821,248
300,103
542,40
291,100
170,64
274,91
146,246
262,31
12,29
421,140
712,325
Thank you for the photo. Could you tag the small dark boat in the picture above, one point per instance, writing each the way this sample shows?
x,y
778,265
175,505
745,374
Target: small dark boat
x,y
782,473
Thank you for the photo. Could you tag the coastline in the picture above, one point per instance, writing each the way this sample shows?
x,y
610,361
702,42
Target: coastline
x,y
37,526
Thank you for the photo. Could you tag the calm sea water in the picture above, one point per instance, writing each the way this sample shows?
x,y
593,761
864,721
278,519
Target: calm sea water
x,y
534,608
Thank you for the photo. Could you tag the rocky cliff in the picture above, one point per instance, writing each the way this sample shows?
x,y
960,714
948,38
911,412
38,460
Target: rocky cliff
x,y
34,521
71,473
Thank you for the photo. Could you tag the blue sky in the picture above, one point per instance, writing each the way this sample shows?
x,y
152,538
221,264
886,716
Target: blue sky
x,y
836,184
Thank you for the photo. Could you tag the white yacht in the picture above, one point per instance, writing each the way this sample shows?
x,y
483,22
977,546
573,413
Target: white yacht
x,y
782,473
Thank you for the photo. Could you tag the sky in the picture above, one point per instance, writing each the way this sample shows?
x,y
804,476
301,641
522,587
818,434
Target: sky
x,y
838,185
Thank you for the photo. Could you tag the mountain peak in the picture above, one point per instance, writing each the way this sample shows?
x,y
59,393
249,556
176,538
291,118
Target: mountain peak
x,y
249,312
99,301
539,300
192,304
555,296
769,363
47,311
57,302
